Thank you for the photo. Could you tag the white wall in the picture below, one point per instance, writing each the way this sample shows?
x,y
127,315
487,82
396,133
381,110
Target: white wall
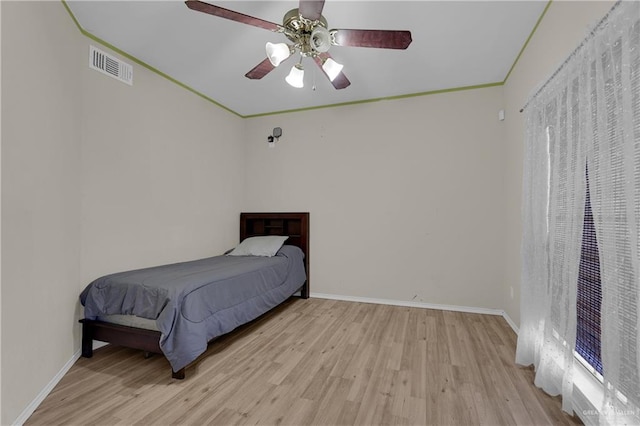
x,y
40,198
564,26
97,176
406,196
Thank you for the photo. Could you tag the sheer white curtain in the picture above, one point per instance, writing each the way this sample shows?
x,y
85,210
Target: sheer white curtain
x,y
586,116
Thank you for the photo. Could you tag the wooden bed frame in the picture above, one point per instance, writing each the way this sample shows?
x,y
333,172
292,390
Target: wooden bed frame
x,y
295,225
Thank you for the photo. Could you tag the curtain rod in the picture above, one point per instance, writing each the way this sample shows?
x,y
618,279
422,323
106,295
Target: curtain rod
x,y
602,22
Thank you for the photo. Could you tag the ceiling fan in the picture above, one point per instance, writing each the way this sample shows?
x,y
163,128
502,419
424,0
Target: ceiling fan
x,y
307,30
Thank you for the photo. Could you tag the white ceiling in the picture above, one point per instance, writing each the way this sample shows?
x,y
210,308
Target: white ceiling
x,y
455,44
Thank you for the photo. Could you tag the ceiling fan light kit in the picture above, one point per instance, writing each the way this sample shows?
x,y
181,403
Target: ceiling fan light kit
x,y
307,29
332,68
296,76
278,52
320,40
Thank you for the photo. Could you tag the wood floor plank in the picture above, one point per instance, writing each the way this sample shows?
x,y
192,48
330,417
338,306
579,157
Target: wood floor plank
x,y
322,362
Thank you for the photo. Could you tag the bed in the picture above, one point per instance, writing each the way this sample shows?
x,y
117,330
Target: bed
x,y
176,309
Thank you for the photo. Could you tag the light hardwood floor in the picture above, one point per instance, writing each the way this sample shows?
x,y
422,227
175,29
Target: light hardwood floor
x,y
320,362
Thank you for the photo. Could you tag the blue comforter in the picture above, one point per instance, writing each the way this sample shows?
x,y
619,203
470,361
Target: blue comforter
x,y
193,302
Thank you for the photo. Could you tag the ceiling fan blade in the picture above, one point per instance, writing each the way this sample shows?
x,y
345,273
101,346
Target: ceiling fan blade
x,y
230,14
341,81
260,70
383,39
311,9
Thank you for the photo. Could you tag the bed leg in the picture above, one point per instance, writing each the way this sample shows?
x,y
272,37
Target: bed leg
x,y
304,292
178,374
87,340
147,354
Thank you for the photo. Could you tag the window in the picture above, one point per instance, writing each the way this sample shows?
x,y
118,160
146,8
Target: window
x,y
580,292
589,292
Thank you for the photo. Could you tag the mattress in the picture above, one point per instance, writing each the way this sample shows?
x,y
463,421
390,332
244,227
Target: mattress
x,y
130,321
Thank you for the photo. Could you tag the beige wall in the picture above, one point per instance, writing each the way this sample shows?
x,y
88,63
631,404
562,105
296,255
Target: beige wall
x,y
406,196
40,198
563,28
162,174
97,176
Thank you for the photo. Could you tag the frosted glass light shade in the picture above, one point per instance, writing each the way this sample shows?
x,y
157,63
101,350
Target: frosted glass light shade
x,y
320,39
277,52
332,68
296,76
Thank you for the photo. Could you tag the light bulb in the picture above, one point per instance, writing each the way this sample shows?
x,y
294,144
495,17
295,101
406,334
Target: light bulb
x,y
296,76
277,52
332,68
320,39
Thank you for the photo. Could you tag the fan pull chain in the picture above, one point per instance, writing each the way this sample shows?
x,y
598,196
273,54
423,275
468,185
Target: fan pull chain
x,y
314,79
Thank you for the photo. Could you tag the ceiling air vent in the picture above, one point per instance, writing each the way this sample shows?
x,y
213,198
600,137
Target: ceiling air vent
x,y
110,65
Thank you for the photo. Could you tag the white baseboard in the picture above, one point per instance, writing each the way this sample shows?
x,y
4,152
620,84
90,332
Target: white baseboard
x,y
509,321
52,384
410,303
27,412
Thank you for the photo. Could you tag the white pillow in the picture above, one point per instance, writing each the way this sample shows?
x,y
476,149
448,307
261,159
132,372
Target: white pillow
x,y
259,246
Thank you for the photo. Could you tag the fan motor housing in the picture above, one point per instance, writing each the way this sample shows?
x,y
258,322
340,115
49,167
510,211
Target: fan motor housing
x,y
304,33
294,21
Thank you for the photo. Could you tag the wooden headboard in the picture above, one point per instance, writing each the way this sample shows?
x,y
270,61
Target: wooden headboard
x,y
295,225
